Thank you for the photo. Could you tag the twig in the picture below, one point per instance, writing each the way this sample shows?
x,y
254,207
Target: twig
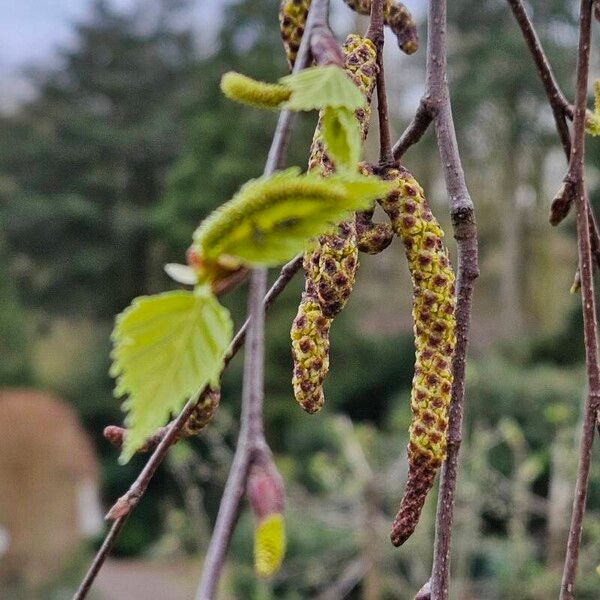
x,y
251,443
562,110
376,35
559,104
414,132
99,559
575,176
435,107
249,440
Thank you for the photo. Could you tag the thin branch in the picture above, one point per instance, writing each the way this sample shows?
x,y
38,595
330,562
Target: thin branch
x,y
575,176
414,132
465,232
251,436
376,35
251,443
561,109
99,559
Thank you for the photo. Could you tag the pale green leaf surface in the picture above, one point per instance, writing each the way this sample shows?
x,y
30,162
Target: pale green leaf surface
x,y
317,87
166,348
341,135
273,218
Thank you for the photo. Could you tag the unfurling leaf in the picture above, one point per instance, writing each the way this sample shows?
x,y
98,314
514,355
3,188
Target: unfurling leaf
x,y
269,545
341,134
243,89
181,273
317,87
166,348
272,218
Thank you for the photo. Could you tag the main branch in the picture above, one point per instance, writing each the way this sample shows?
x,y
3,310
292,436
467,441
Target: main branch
x,y
435,108
575,177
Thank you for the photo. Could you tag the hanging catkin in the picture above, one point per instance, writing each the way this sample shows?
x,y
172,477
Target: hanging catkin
x,y
293,14
292,20
434,327
397,17
330,265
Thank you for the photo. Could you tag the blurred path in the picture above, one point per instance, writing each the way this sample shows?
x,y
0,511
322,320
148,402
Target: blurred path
x,y
147,580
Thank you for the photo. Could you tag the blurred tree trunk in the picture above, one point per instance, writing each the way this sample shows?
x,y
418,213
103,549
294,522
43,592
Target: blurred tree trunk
x,y
510,230
562,468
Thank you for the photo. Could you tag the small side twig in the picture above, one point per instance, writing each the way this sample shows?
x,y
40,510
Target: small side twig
x,y
414,132
561,108
576,176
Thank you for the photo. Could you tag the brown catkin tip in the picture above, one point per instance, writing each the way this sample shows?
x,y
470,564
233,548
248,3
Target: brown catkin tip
x,y
292,21
435,338
421,475
397,17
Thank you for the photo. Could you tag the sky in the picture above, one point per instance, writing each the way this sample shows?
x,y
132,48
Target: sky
x,y
32,30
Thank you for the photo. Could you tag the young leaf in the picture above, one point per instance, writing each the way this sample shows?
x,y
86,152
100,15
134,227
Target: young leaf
x,y
243,89
181,273
317,87
166,348
341,134
272,218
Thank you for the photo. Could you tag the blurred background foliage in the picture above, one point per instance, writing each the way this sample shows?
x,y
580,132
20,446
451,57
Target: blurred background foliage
x,y
128,143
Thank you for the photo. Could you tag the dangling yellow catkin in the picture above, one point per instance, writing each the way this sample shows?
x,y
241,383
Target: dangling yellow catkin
x,y
435,338
269,545
330,265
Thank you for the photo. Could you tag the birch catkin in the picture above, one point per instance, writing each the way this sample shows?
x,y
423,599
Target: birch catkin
x,y
293,14
292,20
330,265
434,327
397,17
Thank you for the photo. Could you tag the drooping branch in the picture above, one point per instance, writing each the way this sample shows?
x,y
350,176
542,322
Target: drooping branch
x,y
562,110
124,505
435,107
462,213
575,176
251,445
250,440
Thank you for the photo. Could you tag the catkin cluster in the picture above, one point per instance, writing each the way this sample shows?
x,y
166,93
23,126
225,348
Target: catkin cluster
x,y
293,14
397,17
330,265
434,328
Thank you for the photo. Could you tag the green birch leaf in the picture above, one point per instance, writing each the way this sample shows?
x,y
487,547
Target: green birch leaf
x,y
271,219
166,348
341,135
317,87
